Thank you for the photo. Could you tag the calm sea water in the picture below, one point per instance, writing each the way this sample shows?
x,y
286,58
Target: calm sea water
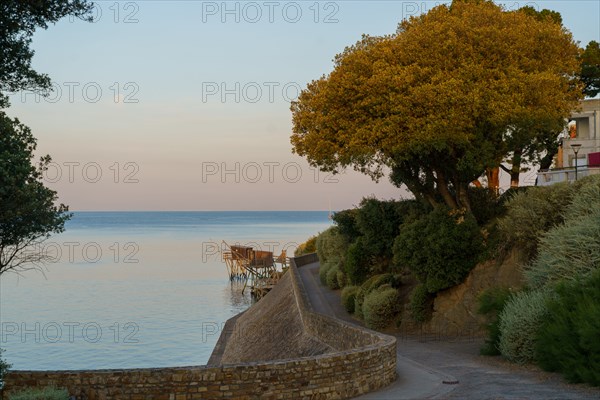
x,y
136,289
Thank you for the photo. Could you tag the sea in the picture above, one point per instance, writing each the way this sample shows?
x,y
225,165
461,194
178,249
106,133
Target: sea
x,y
137,289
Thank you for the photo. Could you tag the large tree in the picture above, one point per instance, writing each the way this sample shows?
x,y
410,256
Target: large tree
x,y
590,69
28,209
28,213
18,21
441,100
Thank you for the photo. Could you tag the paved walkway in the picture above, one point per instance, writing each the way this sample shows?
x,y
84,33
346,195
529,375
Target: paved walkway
x,y
425,364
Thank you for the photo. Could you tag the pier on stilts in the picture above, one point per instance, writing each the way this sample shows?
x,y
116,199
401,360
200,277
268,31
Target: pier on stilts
x,y
256,268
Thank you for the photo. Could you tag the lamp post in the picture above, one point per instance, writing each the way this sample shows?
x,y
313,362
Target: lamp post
x,y
576,148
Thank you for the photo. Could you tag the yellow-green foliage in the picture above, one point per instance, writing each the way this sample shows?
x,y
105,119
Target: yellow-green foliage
x,y
389,101
331,246
324,268
331,278
341,279
310,246
367,287
381,306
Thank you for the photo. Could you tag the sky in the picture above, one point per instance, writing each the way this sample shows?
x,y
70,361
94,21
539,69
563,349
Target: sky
x,y
184,105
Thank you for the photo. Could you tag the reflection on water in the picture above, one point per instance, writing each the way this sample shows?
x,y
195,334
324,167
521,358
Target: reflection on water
x,y
237,299
95,310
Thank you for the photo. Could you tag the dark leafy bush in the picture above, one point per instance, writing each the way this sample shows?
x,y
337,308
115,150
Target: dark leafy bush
x,y
381,306
331,278
48,393
520,321
357,262
491,304
420,304
440,248
485,205
379,223
346,223
349,297
568,340
368,286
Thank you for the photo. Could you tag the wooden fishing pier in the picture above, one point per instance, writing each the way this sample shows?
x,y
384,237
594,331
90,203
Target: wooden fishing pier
x,y
257,268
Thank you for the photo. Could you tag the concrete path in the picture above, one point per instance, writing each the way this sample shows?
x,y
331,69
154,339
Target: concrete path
x,y
429,368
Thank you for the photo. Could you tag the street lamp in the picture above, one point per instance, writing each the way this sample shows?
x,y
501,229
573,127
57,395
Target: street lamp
x,y
576,148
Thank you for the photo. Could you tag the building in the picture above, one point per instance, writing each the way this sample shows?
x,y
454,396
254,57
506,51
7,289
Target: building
x,y
579,153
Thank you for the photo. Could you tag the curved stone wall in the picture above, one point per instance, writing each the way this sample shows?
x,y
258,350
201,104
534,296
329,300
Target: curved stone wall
x,y
351,361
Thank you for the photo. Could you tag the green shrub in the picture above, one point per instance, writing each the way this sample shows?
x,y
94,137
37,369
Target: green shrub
x,y
520,321
567,252
378,223
572,249
568,340
367,287
341,278
324,269
357,262
331,278
420,304
331,245
440,248
532,213
346,223
48,393
381,306
491,304
485,205
349,297
310,246
586,200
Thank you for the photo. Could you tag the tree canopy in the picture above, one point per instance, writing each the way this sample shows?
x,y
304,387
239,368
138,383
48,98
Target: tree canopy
x,y
28,210
28,214
590,69
440,100
18,21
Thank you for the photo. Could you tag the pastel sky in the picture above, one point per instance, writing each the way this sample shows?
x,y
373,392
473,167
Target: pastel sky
x,y
184,105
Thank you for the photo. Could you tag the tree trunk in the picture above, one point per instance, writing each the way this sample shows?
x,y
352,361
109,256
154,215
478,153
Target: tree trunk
x,y
463,195
442,186
515,171
493,178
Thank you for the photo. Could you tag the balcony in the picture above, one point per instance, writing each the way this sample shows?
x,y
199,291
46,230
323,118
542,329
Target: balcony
x,y
551,176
